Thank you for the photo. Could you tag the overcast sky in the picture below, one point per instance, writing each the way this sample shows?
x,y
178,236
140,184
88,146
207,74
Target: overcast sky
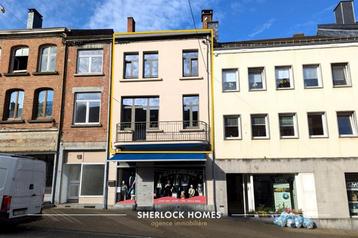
x,y
238,19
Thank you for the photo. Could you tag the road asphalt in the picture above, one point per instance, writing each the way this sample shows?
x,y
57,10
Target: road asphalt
x,y
90,223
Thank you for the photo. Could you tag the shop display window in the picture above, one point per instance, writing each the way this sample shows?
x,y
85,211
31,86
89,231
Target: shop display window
x,y
179,186
352,192
274,192
126,191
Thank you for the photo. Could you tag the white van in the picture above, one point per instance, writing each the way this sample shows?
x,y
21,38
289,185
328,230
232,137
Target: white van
x,y
22,187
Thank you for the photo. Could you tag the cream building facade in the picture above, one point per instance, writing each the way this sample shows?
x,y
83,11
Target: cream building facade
x,y
286,129
160,117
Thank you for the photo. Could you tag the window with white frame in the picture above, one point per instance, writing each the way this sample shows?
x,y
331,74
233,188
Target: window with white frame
x,y
150,65
87,108
20,59
230,80
259,126
284,77
232,127
190,63
347,124
131,62
48,59
256,79
90,61
317,124
340,75
312,76
92,180
288,125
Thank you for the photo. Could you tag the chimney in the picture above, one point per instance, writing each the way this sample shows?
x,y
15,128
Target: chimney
x,y
34,19
206,17
130,24
345,12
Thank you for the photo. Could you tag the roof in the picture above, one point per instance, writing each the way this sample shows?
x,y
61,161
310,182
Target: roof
x,y
32,31
339,26
159,35
281,42
71,34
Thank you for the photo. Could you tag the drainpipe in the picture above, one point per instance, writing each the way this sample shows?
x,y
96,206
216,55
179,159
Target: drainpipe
x,y
211,103
105,203
59,154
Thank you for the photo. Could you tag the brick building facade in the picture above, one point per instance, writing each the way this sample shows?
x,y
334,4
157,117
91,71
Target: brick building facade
x,y
31,67
81,173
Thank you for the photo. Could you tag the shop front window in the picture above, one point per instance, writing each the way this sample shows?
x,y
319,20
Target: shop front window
x,y
273,192
126,192
182,186
352,192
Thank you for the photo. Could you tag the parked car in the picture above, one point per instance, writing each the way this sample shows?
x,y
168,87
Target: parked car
x,y
22,187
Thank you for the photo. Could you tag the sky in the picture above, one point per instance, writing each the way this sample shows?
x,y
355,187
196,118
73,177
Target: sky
x,y
238,19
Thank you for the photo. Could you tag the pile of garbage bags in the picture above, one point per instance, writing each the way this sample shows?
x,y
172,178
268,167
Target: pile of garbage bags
x,y
293,221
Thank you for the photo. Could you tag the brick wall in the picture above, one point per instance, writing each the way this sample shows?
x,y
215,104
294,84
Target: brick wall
x,y
31,82
73,133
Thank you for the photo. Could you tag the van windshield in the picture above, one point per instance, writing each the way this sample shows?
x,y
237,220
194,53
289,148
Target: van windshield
x,y
2,177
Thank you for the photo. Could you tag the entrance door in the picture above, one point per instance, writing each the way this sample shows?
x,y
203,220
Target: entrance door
x,y
140,127
73,182
235,195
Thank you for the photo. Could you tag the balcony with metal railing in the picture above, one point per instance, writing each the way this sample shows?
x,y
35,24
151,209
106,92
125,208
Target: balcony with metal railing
x,y
162,132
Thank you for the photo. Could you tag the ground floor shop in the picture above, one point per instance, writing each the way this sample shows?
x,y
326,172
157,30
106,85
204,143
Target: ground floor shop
x,y
81,177
323,189
158,183
40,144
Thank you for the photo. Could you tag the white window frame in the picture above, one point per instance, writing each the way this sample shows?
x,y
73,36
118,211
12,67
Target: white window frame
x,y
89,61
238,127
346,73
87,109
295,125
26,48
324,124
81,176
292,86
263,76
266,127
319,75
353,122
237,80
48,56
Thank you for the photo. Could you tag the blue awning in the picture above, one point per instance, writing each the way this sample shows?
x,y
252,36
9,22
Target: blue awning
x,y
151,157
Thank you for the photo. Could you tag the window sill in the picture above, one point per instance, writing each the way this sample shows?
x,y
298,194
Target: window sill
x,y
342,86
191,78
231,91
17,121
85,125
314,87
348,136
15,74
232,138
88,75
260,138
45,73
282,89
140,80
288,137
257,90
44,120
319,137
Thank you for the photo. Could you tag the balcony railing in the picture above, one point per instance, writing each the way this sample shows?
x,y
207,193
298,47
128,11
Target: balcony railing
x,y
162,131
